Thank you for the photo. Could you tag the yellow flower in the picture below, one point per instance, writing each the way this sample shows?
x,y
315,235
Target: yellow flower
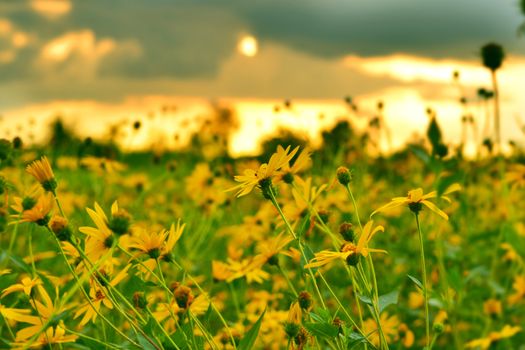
x,y
415,300
484,343
98,298
25,285
150,243
39,213
270,248
415,199
389,325
519,287
406,335
99,239
349,252
492,307
516,176
220,271
18,315
302,162
295,314
102,166
42,172
52,335
45,311
252,178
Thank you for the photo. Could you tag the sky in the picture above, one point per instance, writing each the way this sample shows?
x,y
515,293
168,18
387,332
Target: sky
x,y
103,60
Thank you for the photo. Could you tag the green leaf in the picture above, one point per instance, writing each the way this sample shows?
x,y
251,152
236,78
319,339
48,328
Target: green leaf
x,y
146,345
321,315
355,340
416,281
421,154
249,338
388,299
323,330
365,299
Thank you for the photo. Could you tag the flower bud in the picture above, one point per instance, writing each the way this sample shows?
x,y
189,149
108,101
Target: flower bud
x,y
344,176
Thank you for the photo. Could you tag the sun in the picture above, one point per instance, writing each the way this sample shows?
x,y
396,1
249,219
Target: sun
x,y
248,46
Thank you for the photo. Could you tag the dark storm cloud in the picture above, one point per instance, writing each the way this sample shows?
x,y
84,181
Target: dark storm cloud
x,y
445,28
192,39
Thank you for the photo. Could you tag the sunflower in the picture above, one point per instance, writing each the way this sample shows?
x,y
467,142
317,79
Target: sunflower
x,y
349,251
416,199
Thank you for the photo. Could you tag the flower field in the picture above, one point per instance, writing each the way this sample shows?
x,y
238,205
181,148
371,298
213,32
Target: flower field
x,y
299,248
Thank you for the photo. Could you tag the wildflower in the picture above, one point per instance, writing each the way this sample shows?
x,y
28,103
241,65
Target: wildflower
x,y
305,300
100,239
183,296
120,220
349,251
302,162
18,315
270,248
249,268
98,298
59,226
293,324
389,325
52,335
346,230
406,335
492,307
484,343
102,166
220,271
39,213
26,285
519,287
150,243
42,172
45,309
344,176
416,199
516,176
262,178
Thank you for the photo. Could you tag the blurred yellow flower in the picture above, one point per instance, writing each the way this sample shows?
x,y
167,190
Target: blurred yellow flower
x,y
484,343
415,199
349,251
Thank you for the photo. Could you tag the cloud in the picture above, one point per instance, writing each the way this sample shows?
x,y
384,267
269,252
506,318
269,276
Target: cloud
x,y
51,9
80,54
334,28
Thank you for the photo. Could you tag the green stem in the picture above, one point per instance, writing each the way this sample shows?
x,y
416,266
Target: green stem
x,y
290,284
425,289
292,232
375,289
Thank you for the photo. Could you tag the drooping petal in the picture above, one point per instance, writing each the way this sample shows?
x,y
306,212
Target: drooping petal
x,y
396,202
435,209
